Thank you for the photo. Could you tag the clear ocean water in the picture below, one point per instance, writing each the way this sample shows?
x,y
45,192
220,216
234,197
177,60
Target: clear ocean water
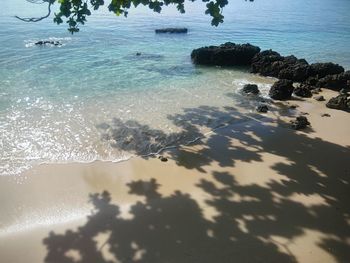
x,y
94,99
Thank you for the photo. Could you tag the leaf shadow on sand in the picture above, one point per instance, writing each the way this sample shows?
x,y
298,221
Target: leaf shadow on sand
x,y
249,217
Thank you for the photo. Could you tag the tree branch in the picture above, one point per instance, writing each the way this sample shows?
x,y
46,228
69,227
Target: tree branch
x,y
36,19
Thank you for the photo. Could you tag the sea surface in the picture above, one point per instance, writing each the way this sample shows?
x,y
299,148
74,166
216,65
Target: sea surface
x,y
93,99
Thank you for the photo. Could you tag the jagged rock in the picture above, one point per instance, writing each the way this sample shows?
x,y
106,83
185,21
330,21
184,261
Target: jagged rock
x,y
319,98
262,108
335,82
321,70
271,63
250,88
228,54
303,91
296,71
281,90
171,30
300,122
340,102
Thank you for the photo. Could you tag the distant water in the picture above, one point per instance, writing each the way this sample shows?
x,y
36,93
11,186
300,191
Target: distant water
x,y
93,98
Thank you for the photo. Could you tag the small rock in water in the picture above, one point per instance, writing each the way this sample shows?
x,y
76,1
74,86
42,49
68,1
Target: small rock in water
x,y
262,108
171,30
304,113
50,42
162,158
293,106
300,123
319,98
251,89
325,115
138,54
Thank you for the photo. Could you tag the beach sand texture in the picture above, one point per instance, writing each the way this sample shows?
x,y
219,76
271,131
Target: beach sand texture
x,y
254,191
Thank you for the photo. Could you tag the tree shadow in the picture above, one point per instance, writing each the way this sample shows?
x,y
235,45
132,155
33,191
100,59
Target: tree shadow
x,y
249,217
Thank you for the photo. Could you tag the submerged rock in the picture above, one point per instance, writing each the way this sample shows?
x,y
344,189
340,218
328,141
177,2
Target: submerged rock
x,y
172,30
251,89
303,91
300,122
281,90
340,102
228,54
48,42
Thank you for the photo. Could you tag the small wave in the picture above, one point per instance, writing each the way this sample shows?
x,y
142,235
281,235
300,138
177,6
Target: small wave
x,y
62,40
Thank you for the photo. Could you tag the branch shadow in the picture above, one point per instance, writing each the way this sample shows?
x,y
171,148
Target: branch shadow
x,y
248,218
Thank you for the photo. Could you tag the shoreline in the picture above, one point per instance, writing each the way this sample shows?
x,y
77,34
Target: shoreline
x,y
271,181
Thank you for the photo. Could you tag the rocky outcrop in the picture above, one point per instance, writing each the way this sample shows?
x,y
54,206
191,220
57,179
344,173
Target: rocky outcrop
x,y
228,54
281,90
271,63
172,30
341,102
250,89
303,91
335,82
321,70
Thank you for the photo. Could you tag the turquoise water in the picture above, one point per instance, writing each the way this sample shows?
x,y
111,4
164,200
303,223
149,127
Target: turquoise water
x,y
60,104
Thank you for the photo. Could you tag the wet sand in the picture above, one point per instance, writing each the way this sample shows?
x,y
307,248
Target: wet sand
x,y
255,191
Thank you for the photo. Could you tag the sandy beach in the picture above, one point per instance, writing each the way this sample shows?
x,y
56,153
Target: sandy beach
x,y
253,191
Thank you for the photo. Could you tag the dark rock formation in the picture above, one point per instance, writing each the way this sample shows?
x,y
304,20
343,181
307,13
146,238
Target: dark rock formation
x,y
271,63
300,122
319,98
262,108
171,30
321,70
48,42
281,90
228,54
335,82
250,89
341,102
303,91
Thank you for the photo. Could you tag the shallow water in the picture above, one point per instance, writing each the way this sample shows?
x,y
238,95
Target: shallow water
x,y
93,98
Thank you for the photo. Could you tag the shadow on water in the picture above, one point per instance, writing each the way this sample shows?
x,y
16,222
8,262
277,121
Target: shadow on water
x,y
248,218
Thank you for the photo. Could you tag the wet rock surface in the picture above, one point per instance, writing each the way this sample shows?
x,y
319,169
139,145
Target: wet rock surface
x,y
250,89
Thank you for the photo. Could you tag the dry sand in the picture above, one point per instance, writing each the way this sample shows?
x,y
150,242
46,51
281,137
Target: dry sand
x,y
256,191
